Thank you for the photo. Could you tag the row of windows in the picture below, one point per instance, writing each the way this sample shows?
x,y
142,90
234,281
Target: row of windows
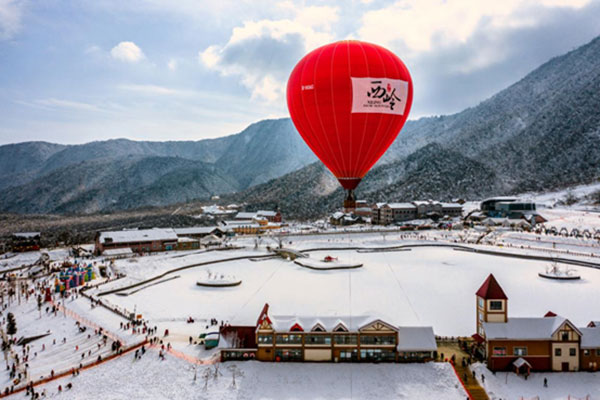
x,y
289,339
522,351
377,355
288,355
572,352
588,352
326,339
406,355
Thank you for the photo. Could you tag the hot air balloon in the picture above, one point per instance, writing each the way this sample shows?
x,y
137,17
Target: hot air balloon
x,y
349,100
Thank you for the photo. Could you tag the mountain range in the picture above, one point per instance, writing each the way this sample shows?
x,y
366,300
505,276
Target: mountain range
x,y
40,177
541,133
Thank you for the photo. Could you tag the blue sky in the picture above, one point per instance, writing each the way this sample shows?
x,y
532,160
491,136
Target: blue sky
x,y
78,71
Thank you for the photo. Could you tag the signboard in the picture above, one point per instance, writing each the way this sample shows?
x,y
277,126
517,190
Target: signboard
x,y
379,95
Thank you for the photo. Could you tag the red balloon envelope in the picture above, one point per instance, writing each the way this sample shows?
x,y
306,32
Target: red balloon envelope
x,y
349,101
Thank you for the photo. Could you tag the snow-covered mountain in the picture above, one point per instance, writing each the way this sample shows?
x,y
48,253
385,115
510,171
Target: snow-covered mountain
x,y
541,133
39,177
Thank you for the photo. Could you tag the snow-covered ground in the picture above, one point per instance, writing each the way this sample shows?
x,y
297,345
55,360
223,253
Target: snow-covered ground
x,y
570,218
149,378
424,286
140,268
561,385
13,260
551,198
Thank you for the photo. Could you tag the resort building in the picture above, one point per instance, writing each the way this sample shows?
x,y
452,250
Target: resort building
x,y
270,216
25,241
157,239
333,339
390,213
548,343
138,240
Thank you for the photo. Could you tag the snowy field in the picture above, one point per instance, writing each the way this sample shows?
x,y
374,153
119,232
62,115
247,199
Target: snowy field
x,y
13,260
149,378
561,385
424,286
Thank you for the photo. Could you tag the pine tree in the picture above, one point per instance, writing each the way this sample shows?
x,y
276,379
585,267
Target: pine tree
x,y
11,324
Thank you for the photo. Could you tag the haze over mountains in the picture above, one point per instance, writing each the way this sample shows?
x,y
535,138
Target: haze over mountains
x,y
541,133
39,177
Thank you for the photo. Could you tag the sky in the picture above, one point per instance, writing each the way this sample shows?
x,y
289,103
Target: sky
x,y
78,71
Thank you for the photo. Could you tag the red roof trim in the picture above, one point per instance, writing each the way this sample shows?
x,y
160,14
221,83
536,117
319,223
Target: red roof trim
x,y
296,328
491,289
477,337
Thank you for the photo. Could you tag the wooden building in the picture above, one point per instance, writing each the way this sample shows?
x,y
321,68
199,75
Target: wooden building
x,y
548,343
138,240
270,216
389,213
200,231
25,241
335,339
590,347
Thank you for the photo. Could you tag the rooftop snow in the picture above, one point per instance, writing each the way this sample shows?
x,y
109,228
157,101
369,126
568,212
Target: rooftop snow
x,y
199,230
266,213
26,235
590,338
283,323
245,215
401,205
524,328
416,338
143,235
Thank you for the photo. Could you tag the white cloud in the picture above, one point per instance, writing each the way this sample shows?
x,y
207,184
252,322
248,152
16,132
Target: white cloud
x,y
92,50
11,14
172,64
154,90
67,104
262,53
414,27
128,52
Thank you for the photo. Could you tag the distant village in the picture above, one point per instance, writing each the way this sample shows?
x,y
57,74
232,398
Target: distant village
x,y
227,221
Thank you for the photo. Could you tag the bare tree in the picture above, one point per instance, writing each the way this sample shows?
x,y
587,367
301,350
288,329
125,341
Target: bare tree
x,y
235,371
206,375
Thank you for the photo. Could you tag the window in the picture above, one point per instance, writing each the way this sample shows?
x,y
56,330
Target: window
x,y
496,305
265,339
377,340
480,302
499,351
586,352
557,352
349,355
520,351
572,351
377,355
480,316
345,339
289,339
288,354
564,336
598,352
317,339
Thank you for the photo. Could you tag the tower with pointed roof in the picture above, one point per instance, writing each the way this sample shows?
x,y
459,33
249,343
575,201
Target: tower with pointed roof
x,y
491,305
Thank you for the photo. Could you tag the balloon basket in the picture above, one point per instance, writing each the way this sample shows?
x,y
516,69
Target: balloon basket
x,y
349,201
